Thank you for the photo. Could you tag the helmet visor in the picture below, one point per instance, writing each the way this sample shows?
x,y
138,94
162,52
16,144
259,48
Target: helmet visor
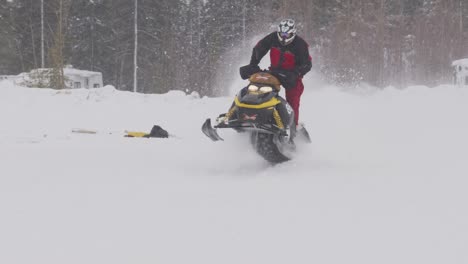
x,y
285,35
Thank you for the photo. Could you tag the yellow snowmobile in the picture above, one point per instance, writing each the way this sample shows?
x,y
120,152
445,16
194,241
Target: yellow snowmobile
x,y
267,117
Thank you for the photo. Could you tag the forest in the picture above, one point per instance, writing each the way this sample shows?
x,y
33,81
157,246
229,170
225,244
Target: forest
x,y
194,45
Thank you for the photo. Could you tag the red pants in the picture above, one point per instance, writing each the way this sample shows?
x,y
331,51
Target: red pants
x,y
293,96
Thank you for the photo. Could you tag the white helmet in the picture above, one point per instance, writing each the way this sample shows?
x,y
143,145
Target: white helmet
x,y
286,31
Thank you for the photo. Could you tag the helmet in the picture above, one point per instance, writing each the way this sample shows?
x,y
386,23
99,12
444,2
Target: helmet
x,y
286,31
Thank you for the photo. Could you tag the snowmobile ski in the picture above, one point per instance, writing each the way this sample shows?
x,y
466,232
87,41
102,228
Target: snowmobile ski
x,y
303,134
210,132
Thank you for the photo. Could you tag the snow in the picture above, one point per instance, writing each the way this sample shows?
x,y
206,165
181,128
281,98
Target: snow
x,y
70,71
384,180
461,62
78,72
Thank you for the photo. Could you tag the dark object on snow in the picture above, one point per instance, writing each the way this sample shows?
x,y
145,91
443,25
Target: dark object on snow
x,y
157,132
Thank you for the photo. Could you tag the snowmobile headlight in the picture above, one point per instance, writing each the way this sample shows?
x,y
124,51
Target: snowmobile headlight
x,y
253,88
266,89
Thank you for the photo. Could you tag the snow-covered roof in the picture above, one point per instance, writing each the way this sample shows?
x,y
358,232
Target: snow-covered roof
x,y
462,62
72,71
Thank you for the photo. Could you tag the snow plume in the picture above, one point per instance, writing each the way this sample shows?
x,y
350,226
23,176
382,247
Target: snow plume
x,y
228,80
384,180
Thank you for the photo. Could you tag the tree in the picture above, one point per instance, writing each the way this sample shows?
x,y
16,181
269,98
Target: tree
x,y
57,55
197,45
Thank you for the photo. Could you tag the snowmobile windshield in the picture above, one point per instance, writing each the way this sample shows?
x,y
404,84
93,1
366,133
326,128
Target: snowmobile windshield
x,y
254,98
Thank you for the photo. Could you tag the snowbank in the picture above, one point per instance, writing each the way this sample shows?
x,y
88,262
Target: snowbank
x,y
383,181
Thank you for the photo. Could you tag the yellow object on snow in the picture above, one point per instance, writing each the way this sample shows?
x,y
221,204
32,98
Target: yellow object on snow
x,y
135,134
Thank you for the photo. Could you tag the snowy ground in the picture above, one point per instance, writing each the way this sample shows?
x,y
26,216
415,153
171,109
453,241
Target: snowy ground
x,y
383,182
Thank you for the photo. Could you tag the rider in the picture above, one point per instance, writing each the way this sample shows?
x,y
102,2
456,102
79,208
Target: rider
x,y
288,53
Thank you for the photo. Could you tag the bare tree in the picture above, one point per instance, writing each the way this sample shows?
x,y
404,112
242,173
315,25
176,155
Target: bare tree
x,y
135,52
62,9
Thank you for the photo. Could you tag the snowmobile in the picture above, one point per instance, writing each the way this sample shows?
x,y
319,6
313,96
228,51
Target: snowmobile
x,y
267,118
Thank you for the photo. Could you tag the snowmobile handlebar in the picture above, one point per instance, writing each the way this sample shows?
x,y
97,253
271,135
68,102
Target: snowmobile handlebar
x,y
288,79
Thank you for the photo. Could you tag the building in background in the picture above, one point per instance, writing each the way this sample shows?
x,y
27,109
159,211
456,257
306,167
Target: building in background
x,y
460,73
74,78
82,79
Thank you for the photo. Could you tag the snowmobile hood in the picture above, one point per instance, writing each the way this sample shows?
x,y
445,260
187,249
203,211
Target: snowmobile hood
x,y
267,79
270,103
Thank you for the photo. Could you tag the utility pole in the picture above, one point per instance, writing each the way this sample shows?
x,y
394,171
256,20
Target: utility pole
x,y
244,11
135,53
42,33
460,9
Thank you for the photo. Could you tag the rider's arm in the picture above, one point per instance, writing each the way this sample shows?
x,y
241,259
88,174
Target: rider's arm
x,y
304,60
261,49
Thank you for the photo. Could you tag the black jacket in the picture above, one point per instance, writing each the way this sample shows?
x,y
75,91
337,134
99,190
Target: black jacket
x,y
292,57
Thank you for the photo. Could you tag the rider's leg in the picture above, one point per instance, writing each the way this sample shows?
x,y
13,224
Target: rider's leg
x,y
293,96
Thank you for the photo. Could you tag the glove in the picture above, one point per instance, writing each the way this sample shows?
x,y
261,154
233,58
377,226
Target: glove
x,y
287,78
247,70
